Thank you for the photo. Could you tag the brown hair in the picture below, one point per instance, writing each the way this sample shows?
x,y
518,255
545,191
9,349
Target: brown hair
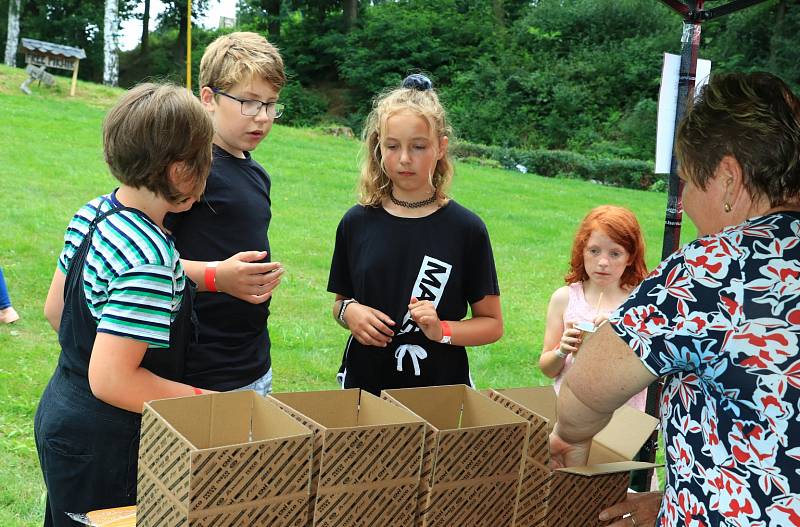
x,y
753,117
374,184
238,57
619,224
150,128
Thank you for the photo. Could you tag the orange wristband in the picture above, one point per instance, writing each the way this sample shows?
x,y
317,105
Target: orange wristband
x,y
211,276
447,333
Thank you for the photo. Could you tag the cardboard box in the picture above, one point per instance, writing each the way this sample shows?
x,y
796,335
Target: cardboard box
x,y
227,459
573,496
474,450
367,457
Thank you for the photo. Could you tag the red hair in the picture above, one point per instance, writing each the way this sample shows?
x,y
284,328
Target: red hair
x,y
619,224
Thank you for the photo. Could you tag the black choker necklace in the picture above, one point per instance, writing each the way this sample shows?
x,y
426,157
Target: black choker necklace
x,y
412,204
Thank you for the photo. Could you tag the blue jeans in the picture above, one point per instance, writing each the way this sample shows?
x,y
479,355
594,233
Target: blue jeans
x,y
263,385
5,301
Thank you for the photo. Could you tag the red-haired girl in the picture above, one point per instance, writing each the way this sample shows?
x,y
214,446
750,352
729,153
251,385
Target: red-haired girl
x,y
607,263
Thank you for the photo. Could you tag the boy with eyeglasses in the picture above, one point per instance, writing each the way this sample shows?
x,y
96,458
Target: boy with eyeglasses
x,y
223,239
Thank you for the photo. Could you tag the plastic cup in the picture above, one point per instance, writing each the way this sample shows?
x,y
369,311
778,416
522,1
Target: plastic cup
x,y
584,327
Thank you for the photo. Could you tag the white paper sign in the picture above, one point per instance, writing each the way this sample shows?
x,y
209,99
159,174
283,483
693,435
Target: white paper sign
x,y
667,106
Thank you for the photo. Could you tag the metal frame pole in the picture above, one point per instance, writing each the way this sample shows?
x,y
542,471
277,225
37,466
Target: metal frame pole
x,y
690,43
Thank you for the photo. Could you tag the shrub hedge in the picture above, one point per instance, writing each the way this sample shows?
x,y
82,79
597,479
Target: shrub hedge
x,y
628,173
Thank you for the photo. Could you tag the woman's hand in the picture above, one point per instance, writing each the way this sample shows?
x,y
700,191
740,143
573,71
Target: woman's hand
x,y
368,325
245,277
639,510
563,454
570,339
423,312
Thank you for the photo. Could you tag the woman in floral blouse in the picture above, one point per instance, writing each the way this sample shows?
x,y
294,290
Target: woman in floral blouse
x,y
719,319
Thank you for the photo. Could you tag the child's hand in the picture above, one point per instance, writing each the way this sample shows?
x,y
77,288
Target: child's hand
x,y
368,325
570,340
423,312
245,277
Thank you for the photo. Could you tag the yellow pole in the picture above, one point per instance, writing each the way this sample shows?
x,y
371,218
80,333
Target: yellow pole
x,y
74,77
189,45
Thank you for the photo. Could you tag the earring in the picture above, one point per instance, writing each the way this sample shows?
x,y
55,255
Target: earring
x,y
726,206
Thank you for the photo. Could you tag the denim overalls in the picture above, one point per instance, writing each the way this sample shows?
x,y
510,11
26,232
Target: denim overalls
x,y
88,449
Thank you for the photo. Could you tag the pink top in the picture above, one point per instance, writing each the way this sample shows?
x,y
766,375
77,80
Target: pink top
x,y
578,310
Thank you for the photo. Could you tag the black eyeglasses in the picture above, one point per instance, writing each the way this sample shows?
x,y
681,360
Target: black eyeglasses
x,y
252,107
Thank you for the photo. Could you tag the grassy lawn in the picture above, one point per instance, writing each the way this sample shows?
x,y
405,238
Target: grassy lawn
x,y
52,163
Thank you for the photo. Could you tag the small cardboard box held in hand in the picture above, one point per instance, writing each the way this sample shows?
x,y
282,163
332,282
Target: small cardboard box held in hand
x,y
227,459
474,450
367,457
573,497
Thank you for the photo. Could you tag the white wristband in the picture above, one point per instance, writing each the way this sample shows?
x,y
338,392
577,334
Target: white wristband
x,y
560,354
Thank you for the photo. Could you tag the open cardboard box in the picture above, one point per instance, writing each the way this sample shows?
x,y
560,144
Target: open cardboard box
x,y
573,496
226,459
367,457
474,450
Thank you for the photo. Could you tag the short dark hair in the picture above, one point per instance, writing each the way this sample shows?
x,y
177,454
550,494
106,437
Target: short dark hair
x,y
150,128
753,117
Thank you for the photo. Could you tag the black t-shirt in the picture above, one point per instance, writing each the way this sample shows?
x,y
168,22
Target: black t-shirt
x,y
382,261
232,216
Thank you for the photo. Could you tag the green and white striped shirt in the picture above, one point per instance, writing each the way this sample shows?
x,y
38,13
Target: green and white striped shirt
x,y
132,279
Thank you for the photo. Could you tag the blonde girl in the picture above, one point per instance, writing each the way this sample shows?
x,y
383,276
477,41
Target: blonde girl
x,y
409,262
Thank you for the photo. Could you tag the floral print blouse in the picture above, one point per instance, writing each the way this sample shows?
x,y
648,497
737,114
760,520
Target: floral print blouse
x,y
720,320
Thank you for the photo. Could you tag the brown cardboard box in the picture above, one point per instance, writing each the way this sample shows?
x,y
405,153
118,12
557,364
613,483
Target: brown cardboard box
x,y
227,459
474,450
574,496
367,457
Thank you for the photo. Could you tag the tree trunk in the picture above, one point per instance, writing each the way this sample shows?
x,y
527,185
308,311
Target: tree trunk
x,y
13,32
181,47
350,14
110,44
273,9
145,40
499,11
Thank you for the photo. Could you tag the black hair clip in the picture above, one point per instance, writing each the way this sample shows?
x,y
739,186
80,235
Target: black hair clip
x,y
418,81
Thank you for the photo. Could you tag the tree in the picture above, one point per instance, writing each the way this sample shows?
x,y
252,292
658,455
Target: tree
x,y
350,14
110,44
321,9
77,23
175,15
13,32
145,40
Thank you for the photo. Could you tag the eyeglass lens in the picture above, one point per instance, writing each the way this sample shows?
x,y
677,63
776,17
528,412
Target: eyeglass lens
x,y
252,108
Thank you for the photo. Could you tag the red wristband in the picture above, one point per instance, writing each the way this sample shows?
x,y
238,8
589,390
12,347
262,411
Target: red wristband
x,y
211,276
197,391
447,333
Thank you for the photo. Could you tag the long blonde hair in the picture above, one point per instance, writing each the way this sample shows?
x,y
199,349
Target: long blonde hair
x,y
416,94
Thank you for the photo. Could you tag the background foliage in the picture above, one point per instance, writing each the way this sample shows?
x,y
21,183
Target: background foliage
x,y
581,75
53,164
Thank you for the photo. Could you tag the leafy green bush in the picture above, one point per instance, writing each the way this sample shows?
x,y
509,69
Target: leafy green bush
x,y
628,173
161,61
303,107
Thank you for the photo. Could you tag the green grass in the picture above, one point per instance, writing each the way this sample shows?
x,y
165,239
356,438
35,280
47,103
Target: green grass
x,y
52,163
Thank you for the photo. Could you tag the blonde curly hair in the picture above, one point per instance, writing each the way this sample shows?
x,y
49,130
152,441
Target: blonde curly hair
x,y
416,94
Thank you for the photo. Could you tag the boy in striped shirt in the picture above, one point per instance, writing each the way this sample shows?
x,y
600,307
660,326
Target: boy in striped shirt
x,y
120,303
